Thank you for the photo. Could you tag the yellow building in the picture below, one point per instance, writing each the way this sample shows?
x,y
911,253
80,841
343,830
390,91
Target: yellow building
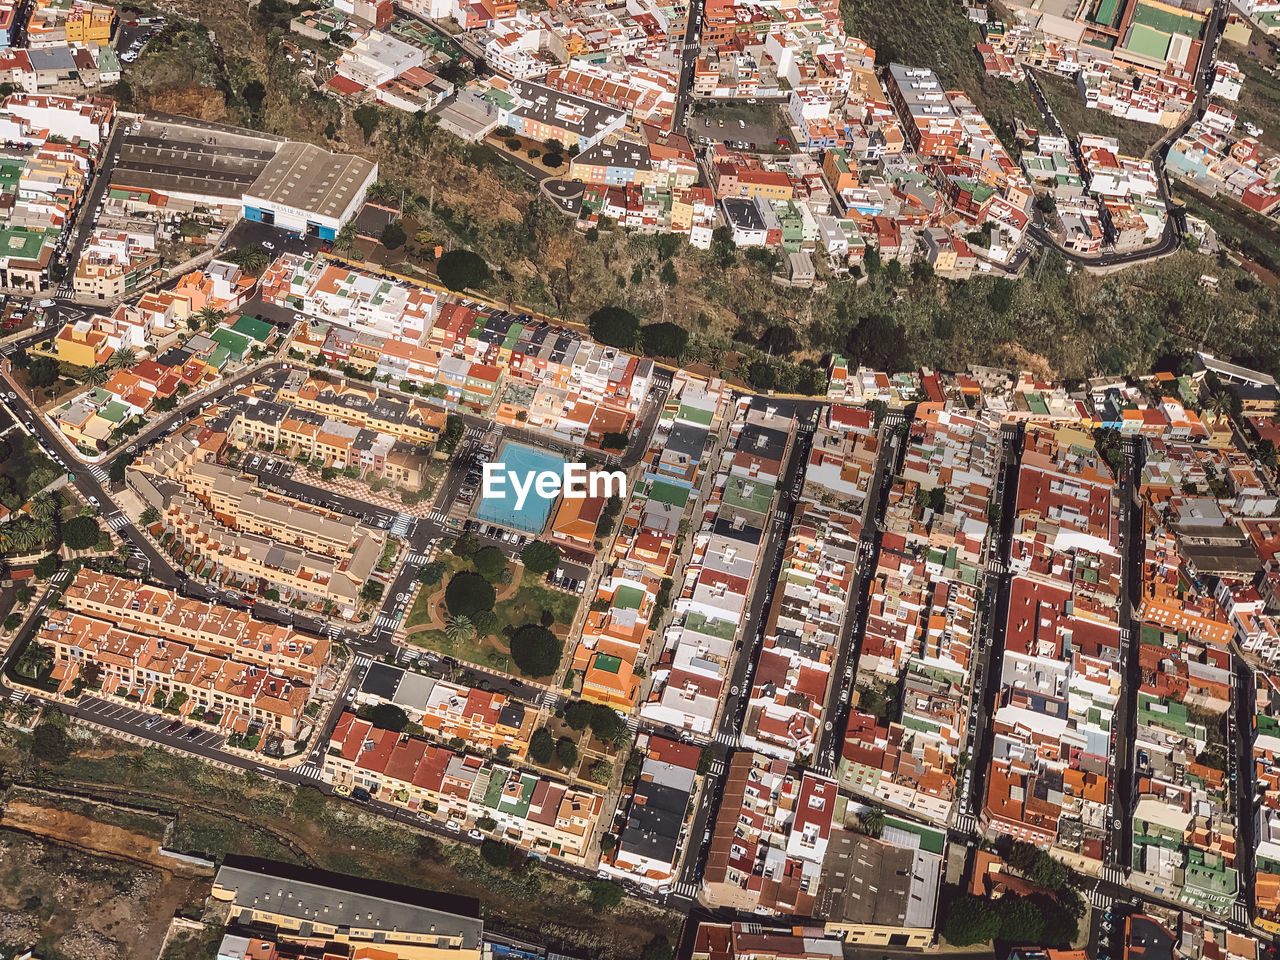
x,y
90,24
82,344
287,902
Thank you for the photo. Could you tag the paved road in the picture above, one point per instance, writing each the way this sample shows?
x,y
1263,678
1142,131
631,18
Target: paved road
x,y
988,664
688,59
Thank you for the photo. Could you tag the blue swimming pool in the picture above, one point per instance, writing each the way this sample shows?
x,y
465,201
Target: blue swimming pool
x,y
520,461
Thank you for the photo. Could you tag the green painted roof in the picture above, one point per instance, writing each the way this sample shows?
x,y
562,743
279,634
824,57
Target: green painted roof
x,y
696,415
23,243
253,328
115,411
236,344
1166,21
608,663
628,598
1148,41
669,493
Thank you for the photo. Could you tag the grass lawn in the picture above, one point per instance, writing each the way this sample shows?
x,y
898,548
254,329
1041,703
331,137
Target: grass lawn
x,y
531,599
1135,138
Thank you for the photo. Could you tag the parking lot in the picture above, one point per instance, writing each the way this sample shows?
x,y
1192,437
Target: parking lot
x,y
742,125
154,726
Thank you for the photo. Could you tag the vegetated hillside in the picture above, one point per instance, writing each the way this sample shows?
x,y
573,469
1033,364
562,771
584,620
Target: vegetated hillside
x,y
1057,321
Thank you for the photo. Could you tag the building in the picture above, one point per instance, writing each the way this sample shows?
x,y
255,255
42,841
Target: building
x,y
309,906
308,190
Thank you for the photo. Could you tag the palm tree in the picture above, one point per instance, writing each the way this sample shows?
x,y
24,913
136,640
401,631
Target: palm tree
x,y
251,259
346,238
459,629
383,192
36,658
210,317
19,537
150,517
872,821
45,504
122,359
45,529
22,713
1219,406
96,375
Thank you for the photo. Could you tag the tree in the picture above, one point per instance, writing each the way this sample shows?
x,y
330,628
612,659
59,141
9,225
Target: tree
x,y
42,371
387,716
118,467
971,920
372,591
46,566
578,715
149,517
96,375
81,533
467,594
486,622
614,326
613,440
490,562
12,622
536,650
603,895
460,269
553,160
45,504
724,251
1000,299
668,274
459,629
346,238
122,359
567,753
251,259
367,118
540,557
465,546
51,744
453,428
659,948
495,854
872,820
207,318
664,339
253,94
432,573
393,236
542,746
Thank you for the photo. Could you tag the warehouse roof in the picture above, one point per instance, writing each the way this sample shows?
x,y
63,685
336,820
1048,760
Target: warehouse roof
x,y
303,176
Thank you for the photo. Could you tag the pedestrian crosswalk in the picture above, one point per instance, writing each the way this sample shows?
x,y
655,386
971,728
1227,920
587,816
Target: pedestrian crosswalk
x,y
995,565
385,620
1112,874
686,890
402,525
633,723
1098,899
965,823
310,770
1240,912
726,738
416,560
99,473
717,767
438,516
118,522
474,433
550,699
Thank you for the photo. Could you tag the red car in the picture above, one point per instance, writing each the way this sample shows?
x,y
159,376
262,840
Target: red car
x,y
784,142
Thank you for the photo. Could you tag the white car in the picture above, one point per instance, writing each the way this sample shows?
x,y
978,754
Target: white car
x,y
268,245
94,501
